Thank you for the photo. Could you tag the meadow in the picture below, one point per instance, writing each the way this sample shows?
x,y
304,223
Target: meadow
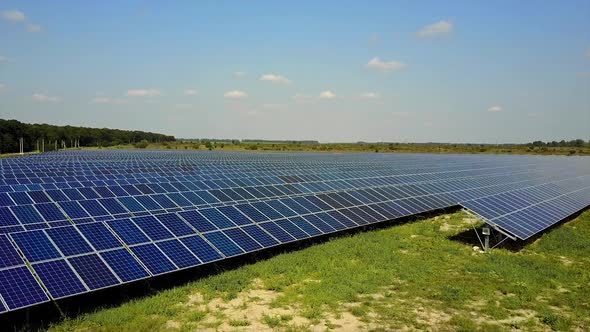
x,y
227,145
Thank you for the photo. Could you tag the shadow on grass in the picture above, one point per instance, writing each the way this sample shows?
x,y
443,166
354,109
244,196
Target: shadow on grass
x,y
469,237
40,317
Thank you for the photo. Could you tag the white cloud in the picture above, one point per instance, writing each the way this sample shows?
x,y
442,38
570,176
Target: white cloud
x,y
2,86
190,92
274,78
13,15
587,52
107,100
40,97
240,74
144,93
327,95
495,109
369,95
384,66
439,28
3,59
235,94
33,27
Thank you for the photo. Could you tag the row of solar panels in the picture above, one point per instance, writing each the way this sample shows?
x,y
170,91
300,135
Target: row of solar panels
x,y
71,260
55,207
74,259
16,182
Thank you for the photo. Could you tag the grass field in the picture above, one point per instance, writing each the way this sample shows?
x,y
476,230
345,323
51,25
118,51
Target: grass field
x,y
410,276
355,147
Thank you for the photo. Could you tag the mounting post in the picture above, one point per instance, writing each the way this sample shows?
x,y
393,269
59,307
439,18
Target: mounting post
x,y
485,231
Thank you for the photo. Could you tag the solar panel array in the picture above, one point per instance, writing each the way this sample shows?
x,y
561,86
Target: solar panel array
x,y
78,221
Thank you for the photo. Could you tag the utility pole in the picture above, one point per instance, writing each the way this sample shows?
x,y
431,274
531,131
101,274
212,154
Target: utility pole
x,y
21,145
43,145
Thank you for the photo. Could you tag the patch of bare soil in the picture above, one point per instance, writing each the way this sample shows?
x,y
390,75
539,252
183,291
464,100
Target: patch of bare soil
x,y
252,306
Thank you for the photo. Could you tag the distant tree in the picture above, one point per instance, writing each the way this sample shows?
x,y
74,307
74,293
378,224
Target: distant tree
x,y
142,144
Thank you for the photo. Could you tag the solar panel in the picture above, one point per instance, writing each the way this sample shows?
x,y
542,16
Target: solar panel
x,y
86,220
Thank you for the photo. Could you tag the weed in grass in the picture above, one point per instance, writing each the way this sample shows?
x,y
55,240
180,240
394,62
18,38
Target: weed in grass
x,y
239,322
196,316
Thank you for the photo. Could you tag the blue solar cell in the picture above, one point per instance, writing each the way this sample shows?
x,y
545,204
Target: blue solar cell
x,y
319,223
234,215
5,200
88,193
8,254
305,226
342,219
292,229
127,231
217,218
131,190
153,259
68,240
260,235
26,214
179,199
131,204
251,212
223,243
197,221
203,250
20,198
50,212
93,271
39,196
194,198
176,225
118,191
7,218
318,202
293,205
148,202
207,197
99,236
124,265
20,289
353,216
280,234
220,195
59,278
74,210
178,253
94,208
112,205
164,201
152,228
267,210
103,192
35,245
242,239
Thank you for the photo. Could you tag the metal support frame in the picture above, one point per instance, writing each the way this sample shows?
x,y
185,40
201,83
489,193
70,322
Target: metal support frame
x,y
489,230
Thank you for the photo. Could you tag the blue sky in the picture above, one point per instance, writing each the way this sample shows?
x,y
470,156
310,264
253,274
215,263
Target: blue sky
x,y
335,71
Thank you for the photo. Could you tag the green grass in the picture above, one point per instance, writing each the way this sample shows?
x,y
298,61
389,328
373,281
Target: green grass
x,y
368,147
407,276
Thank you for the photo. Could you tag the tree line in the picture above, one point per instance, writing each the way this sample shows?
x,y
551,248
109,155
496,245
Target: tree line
x,y
37,136
576,143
